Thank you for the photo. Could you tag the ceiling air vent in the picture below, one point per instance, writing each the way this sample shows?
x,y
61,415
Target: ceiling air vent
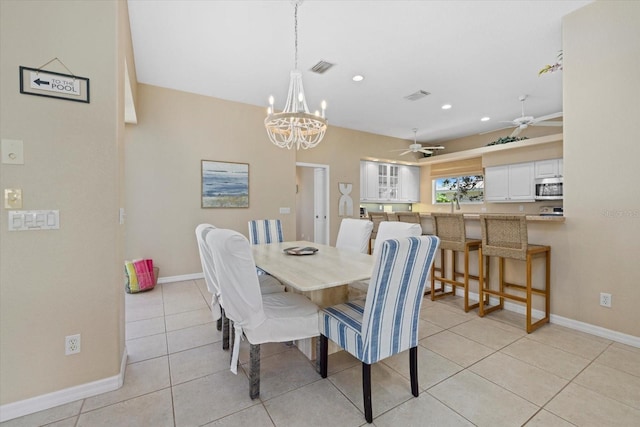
x,y
321,67
417,95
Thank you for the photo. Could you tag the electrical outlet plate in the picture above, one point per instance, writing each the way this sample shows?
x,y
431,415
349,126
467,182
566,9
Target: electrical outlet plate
x,y
72,344
605,299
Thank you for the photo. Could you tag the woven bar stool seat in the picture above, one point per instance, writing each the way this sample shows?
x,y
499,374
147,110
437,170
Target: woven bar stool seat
x,y
376,218
505,237
450,229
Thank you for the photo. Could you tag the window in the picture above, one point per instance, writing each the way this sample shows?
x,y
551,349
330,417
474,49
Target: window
x,y
467,189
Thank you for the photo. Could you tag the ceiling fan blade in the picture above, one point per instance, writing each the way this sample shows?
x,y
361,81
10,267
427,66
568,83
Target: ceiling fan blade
x,y
547,117
440,147
516,131
406,152
555,123
494,130
425,151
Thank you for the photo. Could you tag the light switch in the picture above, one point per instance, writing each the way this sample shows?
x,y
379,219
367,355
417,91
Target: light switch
x,y
34,220
12,152
285,210
12,198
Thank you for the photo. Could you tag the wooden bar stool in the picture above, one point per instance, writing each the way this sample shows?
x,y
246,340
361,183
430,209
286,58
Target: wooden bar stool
x,y
376,218
505,236
450,229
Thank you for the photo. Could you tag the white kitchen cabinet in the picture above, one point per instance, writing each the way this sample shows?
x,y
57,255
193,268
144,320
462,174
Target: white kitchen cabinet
x,y
368,181
509,183
410,183
386,182
548,168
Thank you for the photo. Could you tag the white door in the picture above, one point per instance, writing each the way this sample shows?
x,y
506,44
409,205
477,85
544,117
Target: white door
x,y
313,210
320,206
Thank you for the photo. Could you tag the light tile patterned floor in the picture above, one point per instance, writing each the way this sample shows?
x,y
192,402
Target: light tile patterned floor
x,y
472,371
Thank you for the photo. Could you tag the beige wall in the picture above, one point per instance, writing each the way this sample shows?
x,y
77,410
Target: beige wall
x,y
176,130
68,281
601,155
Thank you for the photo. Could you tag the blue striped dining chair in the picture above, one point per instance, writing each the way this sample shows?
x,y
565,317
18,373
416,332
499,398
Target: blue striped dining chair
x,y
386,323
265,231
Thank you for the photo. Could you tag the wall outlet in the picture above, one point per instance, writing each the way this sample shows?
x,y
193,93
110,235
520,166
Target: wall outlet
x,y
71,344
605,299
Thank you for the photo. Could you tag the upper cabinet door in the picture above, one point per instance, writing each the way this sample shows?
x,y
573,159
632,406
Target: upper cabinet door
x,y
410,184
521,185
496,183
548,168
509,183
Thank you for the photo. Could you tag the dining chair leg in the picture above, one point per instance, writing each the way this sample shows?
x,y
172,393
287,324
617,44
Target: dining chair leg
x,y
323,355
225,331
366,391
413,370
254,371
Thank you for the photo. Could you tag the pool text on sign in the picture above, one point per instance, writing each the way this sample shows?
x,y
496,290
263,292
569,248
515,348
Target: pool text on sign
x,y
54,83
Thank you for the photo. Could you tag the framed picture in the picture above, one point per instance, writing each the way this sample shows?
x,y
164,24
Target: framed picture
x,y
224,184
53,85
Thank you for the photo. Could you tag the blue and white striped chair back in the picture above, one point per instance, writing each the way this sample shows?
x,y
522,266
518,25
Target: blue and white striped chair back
x,y
265,231
392,309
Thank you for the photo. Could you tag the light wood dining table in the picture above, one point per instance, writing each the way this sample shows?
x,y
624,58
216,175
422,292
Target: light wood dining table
x,y
322,277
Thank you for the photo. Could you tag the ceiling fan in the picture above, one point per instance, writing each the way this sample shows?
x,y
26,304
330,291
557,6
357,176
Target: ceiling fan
x,y
523,122
418,148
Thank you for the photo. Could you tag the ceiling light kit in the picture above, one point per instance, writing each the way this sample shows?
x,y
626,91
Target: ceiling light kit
x,y
446,107
418,148
523,122
357,78
295,126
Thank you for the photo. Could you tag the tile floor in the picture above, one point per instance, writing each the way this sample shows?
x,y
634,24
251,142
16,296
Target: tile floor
x,y
472,371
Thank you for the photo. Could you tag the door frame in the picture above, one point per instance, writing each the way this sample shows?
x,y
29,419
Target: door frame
x,y
327,194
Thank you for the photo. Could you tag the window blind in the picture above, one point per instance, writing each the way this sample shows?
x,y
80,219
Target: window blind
x,y
457,168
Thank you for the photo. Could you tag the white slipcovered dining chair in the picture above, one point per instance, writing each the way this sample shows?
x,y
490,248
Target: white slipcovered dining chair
x,y
386,230
268,284
354,235
277,317
265,231
387,322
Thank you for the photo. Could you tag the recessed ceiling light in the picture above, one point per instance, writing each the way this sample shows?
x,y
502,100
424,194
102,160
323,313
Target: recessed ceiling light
x,y
446,106
357,78
485,119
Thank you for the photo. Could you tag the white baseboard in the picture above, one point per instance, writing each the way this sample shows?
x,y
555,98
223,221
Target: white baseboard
x,y
563,321
61,397
181,278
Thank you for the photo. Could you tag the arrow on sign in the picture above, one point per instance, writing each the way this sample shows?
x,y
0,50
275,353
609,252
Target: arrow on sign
x,y
39,82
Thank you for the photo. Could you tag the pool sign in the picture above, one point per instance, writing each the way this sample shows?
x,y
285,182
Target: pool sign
x,y
54,85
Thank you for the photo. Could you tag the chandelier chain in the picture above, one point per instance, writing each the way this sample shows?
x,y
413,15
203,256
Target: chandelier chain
x,y
295,33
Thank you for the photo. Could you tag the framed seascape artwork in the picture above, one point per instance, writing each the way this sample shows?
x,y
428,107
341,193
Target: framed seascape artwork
x,y
224,184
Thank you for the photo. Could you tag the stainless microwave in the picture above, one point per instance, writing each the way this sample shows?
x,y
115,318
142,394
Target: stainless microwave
x,y
549,188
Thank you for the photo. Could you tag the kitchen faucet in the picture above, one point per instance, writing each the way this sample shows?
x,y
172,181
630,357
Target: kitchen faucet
x,y
455,198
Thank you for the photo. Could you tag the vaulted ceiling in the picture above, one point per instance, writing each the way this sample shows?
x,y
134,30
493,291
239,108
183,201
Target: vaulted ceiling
x,y
477,56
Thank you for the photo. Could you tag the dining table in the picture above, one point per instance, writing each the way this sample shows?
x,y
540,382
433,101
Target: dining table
x,y
322,273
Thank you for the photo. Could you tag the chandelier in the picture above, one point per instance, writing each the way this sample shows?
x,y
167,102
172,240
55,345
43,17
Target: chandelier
x,y
295,125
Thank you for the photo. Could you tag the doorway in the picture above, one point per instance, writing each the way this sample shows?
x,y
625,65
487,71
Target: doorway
x,y
312,202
